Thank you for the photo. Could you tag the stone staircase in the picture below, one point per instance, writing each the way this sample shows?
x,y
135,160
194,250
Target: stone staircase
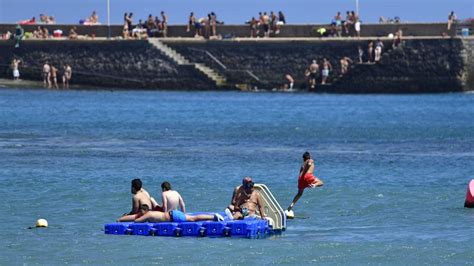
x,y
180,60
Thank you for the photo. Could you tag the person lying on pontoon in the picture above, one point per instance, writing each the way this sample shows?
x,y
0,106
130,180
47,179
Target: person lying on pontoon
x,y
146,215
144,208
245,202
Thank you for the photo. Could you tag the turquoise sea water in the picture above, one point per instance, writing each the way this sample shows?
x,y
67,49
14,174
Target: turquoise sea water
x,y
395,168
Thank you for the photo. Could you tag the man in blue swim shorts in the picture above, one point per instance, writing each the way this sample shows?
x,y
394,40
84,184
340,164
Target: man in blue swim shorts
x,y
176,216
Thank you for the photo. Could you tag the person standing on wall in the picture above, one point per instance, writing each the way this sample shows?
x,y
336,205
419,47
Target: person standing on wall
x,y
15,67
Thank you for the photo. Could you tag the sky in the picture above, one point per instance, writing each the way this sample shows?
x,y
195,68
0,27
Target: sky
x,y
236,11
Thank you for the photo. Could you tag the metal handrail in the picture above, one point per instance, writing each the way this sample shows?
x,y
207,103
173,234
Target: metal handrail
x,y
252,75
211,56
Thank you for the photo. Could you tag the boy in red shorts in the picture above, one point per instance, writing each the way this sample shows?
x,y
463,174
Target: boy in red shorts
x,y
306,179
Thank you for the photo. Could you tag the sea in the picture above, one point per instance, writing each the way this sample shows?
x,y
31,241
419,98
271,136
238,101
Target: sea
x,y
395,168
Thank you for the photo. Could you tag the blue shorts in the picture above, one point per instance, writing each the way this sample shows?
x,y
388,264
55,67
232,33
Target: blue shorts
x,y
178,216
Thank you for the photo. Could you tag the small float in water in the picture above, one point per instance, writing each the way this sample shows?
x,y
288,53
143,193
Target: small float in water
x,y
469,203
247,228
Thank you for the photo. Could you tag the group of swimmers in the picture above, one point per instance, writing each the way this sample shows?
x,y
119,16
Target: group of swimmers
x,y
244,204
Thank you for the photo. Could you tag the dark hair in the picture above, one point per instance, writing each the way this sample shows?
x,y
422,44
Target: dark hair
x,y
144,207
306,156
137,184
165,186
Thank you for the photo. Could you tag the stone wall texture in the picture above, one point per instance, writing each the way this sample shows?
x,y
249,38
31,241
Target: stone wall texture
x,y
418,66
113,64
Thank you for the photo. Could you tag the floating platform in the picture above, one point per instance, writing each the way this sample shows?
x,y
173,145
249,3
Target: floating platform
x,y
248,228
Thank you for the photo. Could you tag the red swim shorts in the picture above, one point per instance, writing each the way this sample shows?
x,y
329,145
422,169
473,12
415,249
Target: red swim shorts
x,y
306,180
158,208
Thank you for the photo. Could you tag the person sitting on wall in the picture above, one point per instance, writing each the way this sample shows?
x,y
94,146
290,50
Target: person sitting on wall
x,y
19,33
397,41
73,34
139,32
45,33
92,20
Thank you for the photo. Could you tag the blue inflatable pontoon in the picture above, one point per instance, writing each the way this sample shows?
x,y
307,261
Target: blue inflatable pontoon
x,y
247,228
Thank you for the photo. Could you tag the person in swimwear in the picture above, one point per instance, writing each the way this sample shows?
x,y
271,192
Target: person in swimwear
x,y
171,198
176,216
140,197
47,75
306,178
131,217
245,202
325,72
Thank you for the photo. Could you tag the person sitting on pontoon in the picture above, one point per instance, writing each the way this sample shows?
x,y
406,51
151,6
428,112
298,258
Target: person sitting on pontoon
x,y
140,197
245,202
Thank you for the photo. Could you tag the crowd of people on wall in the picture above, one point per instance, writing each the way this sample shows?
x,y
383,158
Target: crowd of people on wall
x,y
270,23
265,24
153,26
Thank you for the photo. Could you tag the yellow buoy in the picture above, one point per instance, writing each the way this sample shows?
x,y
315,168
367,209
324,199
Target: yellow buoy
x,y
41,223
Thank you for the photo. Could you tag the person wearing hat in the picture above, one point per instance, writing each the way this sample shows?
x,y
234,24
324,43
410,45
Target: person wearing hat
x,y
306,179
245,202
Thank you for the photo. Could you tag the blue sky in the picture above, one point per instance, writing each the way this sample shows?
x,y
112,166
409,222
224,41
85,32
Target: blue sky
x,y
236,11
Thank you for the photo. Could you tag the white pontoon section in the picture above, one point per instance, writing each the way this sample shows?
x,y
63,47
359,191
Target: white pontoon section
x,y
273,209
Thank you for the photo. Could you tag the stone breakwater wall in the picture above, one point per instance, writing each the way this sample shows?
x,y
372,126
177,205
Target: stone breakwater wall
x,y
419,66
111,64
426,65
468,57
287,31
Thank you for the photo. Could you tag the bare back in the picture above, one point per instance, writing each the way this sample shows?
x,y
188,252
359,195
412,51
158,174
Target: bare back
x,y
171,200
314,68
307,167
140,198
154,216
